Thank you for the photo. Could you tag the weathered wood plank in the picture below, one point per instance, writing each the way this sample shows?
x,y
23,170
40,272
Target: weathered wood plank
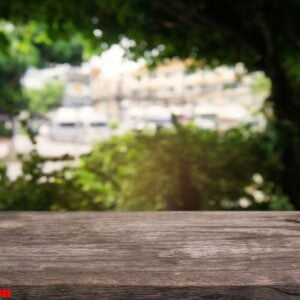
x,y
151,255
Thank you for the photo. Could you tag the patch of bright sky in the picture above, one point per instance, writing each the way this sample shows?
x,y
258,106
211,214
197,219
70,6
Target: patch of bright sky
x,y
111,63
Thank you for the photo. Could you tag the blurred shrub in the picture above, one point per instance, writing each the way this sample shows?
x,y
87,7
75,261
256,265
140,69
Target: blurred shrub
x,y
261,195
36,189
183,168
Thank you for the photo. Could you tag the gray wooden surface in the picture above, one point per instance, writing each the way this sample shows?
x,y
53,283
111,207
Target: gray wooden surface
x,y
151,255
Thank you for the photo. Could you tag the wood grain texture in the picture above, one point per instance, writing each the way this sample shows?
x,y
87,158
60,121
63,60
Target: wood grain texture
x,y
150,255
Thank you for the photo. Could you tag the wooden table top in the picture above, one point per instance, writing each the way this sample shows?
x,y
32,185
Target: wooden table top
x,y
150,255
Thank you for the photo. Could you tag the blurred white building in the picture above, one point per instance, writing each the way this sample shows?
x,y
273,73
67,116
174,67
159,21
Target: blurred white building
x,y
215,98
223,94
79,124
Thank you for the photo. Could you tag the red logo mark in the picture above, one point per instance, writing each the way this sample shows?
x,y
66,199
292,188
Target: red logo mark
x,y
5,293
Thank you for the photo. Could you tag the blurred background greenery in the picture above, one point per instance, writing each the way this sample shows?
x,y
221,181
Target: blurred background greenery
x,y
183,167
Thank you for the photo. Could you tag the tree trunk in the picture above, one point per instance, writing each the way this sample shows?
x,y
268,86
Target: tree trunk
x,y
286,107
188,197
189,194
291,161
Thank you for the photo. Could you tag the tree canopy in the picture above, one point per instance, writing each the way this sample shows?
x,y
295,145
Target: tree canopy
x,y
250,30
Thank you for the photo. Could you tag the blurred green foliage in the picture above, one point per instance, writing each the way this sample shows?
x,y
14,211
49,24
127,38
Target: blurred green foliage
x,y
28,45
42,100
261,85
183,168
5,130
38,190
